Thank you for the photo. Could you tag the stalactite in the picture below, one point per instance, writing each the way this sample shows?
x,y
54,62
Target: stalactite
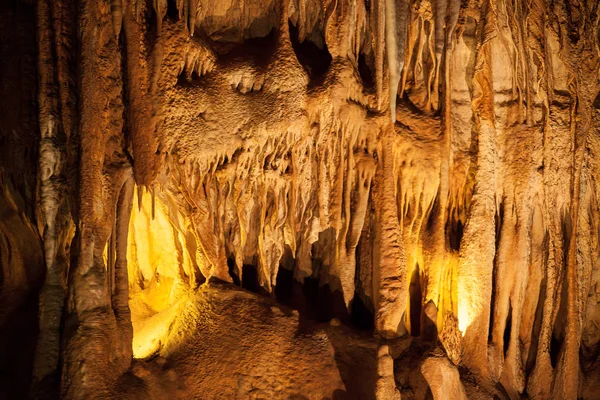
x,y
141,124
396,17
568,374
440,9
116,9
120,294
378,44
192,16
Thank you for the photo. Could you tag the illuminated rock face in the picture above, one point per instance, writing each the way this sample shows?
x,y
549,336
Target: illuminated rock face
x,y
425,167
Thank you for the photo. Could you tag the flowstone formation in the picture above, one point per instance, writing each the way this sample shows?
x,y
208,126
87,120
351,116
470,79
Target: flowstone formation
x,y
407,186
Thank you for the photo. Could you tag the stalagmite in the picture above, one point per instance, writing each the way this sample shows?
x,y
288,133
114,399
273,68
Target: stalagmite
x,y
443,378
386,387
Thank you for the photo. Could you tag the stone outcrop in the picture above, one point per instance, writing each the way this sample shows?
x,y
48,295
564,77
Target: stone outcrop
x,y
443,378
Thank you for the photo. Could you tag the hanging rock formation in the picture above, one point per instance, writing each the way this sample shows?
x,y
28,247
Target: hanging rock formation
x,y
424,170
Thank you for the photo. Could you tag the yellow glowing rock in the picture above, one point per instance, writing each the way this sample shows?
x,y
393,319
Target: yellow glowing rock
x,y
161,272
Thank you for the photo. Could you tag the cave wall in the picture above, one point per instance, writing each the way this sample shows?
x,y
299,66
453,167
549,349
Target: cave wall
x,y
433,160
21,252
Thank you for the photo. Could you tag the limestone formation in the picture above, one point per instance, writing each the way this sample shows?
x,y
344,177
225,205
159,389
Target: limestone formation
x,y
422,172
443,378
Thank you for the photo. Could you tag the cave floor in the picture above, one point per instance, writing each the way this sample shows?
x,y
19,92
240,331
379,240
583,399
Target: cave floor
x,y
228,343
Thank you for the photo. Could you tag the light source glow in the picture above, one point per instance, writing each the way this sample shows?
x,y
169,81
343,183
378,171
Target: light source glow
x,y
161,272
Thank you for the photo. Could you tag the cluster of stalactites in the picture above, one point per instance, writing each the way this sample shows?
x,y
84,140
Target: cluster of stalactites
x,y
491,205
282,194
186,10
388,32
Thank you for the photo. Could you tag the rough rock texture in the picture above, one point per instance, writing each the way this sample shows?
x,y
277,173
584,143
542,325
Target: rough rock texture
x,y
21,252
421,168
443,378
227,343
239,346
385,386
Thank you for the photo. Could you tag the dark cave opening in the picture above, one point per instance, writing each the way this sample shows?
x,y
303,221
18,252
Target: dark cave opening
x,y
555,349
507,329
18,339
318,302
172,11
368,5
492,310
415,302
314,59
558,331
231,267
499,220
597,99
313,300
433,215
361,315
455,235
366,74
311,295
250,278
323,304
257,51
285,284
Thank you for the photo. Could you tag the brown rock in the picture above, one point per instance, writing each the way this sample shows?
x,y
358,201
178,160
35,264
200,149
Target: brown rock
x,y
443,378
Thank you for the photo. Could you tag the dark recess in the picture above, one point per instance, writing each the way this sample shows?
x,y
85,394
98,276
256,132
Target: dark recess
x,y
499,219
366,75
250,278
455,235
315,60
231,267
415,303
555,349
507,329
362,316
172,11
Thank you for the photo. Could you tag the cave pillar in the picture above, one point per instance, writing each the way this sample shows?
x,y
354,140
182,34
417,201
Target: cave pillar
x,y
476,257
97,334
390,282
53,195
385,386
120,292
